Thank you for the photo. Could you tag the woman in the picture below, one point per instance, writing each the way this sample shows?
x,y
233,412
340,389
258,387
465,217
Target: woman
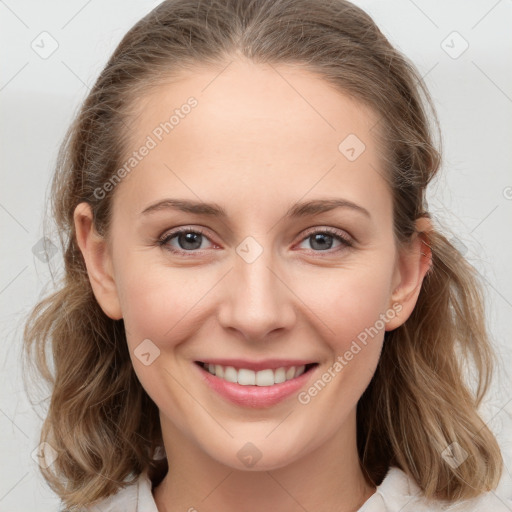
x,y
257,308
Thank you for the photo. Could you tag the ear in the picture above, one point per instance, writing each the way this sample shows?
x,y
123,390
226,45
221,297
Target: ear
x,y
98,261
413,262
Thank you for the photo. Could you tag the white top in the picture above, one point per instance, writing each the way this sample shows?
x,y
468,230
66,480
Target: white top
x,y
396,493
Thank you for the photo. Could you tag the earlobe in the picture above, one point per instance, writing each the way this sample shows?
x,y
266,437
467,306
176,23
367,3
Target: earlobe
x,y
98,261
414,262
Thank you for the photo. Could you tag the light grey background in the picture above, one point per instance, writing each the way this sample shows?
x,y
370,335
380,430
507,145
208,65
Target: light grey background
x,y
39,96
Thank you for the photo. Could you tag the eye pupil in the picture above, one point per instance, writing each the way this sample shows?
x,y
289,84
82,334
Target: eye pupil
x,y
190,240
320,238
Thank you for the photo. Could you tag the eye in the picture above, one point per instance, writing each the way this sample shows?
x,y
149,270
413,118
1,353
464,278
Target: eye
x,y
184,240
326,238
187,240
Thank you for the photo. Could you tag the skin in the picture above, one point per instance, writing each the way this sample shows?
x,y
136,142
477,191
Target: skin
x,y
254,145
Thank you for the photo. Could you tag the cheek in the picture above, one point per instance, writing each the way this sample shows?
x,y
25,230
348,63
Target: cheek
x,y
349,301
360,306
161,304
352,309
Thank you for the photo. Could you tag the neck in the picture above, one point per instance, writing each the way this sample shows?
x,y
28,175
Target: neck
x,y
326,479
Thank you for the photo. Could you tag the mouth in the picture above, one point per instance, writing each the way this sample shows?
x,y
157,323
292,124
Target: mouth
x,y
264,376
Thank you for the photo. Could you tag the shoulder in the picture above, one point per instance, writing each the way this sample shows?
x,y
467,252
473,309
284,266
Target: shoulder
x,y
399,492
135,497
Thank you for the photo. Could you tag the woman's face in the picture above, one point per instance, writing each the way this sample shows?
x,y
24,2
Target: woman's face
x,y
272,273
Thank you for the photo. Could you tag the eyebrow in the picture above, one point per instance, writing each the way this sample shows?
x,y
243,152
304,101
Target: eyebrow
x,y
296,210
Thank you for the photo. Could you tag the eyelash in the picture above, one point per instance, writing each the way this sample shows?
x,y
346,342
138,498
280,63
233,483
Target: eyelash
x,y
164,240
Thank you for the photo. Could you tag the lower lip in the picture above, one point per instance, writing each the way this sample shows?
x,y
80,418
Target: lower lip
x,y
255,396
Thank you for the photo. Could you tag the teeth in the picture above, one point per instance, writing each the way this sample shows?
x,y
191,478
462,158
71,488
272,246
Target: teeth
x,y
279,376
230,374
300,370
247,377
264,377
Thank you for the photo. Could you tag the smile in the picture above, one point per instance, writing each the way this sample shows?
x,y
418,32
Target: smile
x,y
264,377
252,384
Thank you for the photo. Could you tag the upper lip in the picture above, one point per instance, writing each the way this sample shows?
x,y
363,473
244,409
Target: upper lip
x,y
265,364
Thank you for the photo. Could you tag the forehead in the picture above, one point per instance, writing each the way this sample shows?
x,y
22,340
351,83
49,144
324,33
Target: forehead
x,y
254,129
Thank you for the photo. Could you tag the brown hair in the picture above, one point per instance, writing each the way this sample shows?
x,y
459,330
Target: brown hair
x,y
100,421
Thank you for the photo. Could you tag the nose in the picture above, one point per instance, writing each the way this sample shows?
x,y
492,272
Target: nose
x,y
258,301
